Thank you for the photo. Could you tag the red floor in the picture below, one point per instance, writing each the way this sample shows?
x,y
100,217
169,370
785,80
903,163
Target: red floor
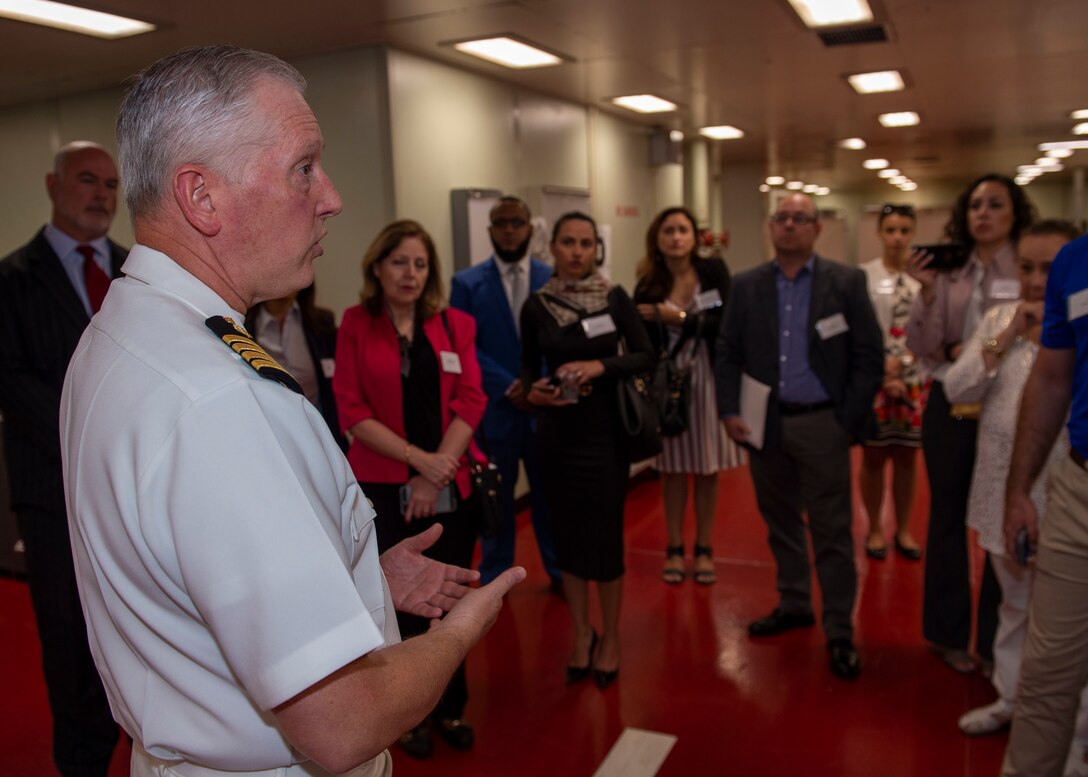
x,y
737,706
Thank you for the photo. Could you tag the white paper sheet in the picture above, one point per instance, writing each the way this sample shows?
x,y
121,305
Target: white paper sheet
x,y
753,408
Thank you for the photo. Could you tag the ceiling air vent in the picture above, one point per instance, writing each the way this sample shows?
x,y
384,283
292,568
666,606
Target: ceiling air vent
x,y
849,36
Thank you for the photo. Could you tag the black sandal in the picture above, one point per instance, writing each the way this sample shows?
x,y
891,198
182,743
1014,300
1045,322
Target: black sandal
x,y
705,576
674,575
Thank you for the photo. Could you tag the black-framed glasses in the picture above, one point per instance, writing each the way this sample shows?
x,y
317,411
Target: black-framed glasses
x,y
800,219
516,223
898,210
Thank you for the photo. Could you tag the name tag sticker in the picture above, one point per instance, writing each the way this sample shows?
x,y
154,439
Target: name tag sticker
x,y
1005,288
708,299
886,286
328,367
451,362
596,326
1078,304
832,326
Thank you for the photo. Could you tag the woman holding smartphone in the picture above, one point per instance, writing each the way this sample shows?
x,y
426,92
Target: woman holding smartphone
x,y
987,219
992,370
409,393
574,326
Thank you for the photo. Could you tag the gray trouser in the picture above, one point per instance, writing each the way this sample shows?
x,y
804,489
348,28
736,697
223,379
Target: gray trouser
x,y
810,472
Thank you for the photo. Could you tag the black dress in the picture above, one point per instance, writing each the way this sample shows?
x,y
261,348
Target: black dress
x,y
584,472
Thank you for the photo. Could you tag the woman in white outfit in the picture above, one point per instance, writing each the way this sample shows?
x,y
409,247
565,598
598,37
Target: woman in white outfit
x,y
992,370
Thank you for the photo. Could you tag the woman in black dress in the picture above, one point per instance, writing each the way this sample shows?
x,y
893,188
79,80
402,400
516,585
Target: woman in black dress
x,y
574,325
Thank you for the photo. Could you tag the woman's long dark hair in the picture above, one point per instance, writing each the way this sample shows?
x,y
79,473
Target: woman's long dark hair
x,y
1023,212
654,277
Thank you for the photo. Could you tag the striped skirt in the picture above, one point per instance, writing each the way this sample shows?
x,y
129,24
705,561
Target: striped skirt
x,y
704,448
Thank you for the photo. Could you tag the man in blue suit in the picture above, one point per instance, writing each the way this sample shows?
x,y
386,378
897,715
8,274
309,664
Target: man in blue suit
x,y
493,293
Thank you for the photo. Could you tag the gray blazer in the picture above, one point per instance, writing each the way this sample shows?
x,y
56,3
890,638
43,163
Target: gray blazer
x,y
849,365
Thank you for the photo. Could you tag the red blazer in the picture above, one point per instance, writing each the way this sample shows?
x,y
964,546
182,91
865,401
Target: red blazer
x,y
367,385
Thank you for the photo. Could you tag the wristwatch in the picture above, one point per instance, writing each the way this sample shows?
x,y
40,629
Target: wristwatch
x,y
990,344
683,316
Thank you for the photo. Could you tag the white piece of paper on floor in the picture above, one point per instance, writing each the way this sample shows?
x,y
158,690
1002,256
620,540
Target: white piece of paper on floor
x,y
637,753
753,408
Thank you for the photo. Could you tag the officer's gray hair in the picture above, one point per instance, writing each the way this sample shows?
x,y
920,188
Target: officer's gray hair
x,y
195,106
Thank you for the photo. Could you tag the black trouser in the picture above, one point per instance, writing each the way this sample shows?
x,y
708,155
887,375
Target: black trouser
x,y
84,732
810,473
455,546
949,447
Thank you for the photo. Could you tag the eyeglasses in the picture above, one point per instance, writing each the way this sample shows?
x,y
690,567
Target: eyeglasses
x,y
504,223
800,219
899,210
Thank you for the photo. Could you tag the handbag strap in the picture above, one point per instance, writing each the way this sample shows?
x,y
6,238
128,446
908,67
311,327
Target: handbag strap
x,y
683,338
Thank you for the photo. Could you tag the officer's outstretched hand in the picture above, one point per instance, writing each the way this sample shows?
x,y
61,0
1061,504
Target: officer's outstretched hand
x,y
476,612
420,585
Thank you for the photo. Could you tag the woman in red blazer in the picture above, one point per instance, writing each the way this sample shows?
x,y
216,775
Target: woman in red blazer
x,y
409,392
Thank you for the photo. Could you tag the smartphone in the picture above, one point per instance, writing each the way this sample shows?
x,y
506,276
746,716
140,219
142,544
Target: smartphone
x,y
1024,550
946,256
446,502
567,389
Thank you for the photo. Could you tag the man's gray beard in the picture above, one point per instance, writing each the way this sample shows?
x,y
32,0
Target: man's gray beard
x,y
512,256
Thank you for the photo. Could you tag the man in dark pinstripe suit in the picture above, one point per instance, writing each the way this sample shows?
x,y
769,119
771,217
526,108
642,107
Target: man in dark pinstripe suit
x,y
48,292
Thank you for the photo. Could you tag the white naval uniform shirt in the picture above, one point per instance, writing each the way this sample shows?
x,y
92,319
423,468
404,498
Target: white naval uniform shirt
x,y
226,557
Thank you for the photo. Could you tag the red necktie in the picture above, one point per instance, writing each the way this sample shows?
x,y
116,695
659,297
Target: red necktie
x,y
98,283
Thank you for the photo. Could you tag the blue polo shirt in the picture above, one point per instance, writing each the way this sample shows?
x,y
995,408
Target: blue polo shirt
x,y
1065,325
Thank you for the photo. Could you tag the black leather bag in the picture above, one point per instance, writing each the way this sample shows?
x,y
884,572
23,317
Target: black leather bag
x,y
640,430
672,384
486,484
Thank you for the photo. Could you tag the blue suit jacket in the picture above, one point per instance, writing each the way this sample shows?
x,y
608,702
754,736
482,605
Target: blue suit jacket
x,y
479,292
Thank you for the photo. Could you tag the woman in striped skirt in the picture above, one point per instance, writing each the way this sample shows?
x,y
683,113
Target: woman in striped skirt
x,y
680,297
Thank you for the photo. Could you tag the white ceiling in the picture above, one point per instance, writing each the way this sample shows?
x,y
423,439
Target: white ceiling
x,y
990,79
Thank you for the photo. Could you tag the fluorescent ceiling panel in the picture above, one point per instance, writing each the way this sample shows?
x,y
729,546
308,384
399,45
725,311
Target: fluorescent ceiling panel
x,y
508,53
721,132
874,164
853,144
871,83
72,19
900,119
644,103
831,13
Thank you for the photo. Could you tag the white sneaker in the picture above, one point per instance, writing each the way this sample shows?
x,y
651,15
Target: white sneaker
x,y
986,720
1075,764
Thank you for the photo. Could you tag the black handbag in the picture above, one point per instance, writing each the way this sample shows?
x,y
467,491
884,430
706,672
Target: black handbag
x,y
640,430
486,484
672,384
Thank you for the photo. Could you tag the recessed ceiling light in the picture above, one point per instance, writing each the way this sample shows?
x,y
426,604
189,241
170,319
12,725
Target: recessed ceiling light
x,y
854,144
1081,129
823,191
830,13
1078,115
900,119
721,132
898,179
764,187
644,103
1070,144
874,164
810,188
676,136
1047,161
1053,168
1060,153
67,17
888,172
1029,170
909,186
882,81
795,185
508,52
1023,180
775,180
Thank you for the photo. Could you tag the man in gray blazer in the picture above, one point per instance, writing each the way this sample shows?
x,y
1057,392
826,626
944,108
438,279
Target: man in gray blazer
x,y
49,289
804,326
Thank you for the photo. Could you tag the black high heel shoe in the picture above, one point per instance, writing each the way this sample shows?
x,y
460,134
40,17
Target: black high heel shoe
x,y
605,678
578,673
